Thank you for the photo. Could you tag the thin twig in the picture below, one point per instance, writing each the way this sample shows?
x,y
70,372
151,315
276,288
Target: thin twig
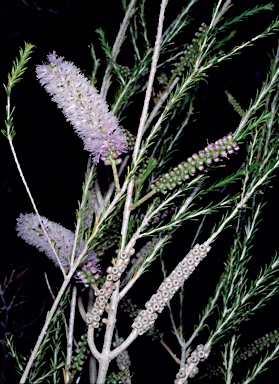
x,y
175,358
34,205
115,176
116,47
70,337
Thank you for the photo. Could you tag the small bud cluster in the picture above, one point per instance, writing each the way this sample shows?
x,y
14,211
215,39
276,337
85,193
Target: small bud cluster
x,y
250,350
236,106
163,79
213,371
210,154
125,71
163,214
119,378
143,165
123,360
258,345
155,334
190,369
128,307
191,52
81,354
131,139
169,287
103,295
91,208
89,272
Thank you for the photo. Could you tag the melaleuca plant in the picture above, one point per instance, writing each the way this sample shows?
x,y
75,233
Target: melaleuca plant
x,y
122,228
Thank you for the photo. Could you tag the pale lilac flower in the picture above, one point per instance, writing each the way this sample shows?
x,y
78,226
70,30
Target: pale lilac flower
x,y
89,271
84,108
29,229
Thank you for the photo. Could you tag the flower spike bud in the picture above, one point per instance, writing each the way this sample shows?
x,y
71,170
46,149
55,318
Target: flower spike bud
x,y
81,354
84,108
190,369
236,106
123,359
197,162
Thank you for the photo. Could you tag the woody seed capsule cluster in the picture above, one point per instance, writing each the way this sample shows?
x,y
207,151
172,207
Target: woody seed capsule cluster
x,y
169,287
103,295
128,307
123,360
197,162
190,369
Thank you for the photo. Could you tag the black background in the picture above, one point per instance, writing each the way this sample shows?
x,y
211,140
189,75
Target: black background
x,y
54,162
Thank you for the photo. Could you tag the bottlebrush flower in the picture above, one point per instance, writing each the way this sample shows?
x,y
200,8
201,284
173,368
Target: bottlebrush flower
x,y
29,229
84,108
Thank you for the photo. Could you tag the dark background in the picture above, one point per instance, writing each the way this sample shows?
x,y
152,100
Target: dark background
x,y
53,160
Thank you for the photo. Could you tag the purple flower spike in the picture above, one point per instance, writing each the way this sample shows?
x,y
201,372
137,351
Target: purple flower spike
x,y
30,230
83,107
